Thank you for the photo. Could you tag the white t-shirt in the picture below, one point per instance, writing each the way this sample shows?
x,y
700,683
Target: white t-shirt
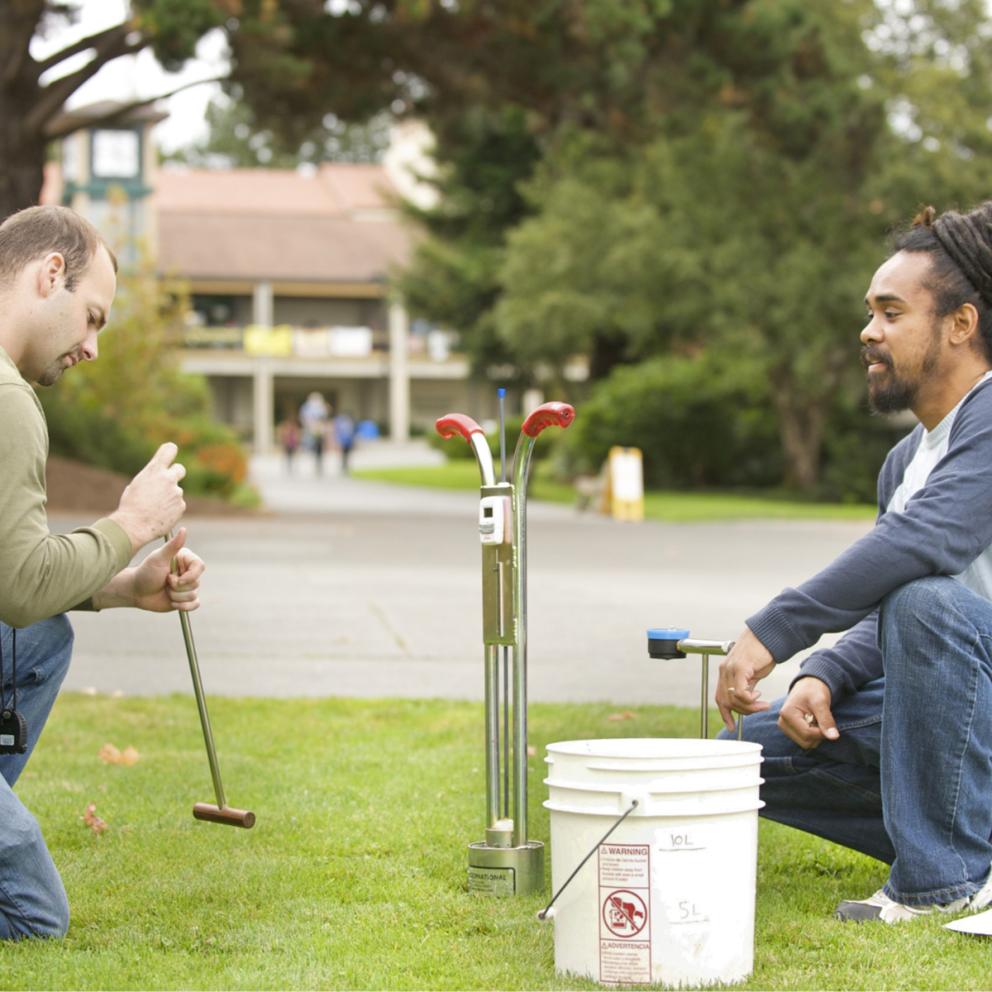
x,y
933,446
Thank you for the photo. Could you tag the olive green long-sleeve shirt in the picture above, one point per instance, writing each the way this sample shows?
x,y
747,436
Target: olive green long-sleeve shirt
x,y
42,574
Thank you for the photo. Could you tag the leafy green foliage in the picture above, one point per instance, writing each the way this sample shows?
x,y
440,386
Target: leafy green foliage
x,y
747,206
454,277
173,27
236,140
699,421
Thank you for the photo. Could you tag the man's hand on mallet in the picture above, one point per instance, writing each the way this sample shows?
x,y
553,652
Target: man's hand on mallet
x,y
749,661
805,716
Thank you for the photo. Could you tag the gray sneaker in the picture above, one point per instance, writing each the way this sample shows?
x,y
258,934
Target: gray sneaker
x,y
880,907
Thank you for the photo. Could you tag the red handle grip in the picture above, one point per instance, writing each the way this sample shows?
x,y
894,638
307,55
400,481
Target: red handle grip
x,y
548,415
457,423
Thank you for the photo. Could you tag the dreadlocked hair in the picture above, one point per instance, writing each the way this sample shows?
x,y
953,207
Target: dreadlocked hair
x,y
960,249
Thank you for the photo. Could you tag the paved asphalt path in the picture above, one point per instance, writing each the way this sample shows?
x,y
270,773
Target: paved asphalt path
x,y
353,588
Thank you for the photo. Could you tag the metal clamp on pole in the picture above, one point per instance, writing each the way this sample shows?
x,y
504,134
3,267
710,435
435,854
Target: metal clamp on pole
x,y
675,642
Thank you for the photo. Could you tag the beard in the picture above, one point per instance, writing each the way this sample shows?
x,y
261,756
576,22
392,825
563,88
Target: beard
x,y
890,392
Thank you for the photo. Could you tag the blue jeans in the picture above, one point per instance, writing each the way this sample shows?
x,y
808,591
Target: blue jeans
x,y
32,897
910,779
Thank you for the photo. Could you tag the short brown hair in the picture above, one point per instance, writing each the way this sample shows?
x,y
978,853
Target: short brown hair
x,y
34,232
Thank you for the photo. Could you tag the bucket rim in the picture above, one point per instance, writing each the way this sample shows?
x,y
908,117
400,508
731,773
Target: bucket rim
x,y
652,748
674,811
648,788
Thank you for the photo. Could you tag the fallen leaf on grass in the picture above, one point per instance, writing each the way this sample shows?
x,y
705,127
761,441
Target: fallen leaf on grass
x,y
93,821
111,755
622,715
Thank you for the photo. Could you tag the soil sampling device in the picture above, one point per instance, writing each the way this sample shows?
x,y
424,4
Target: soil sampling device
x,y
218,812
506,863
670,643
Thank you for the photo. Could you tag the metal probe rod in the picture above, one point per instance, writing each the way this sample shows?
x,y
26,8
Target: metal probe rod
x,y
692,645
201,705
501,393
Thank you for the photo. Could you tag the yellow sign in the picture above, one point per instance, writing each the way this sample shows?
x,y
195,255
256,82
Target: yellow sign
x,y
269,340
625,483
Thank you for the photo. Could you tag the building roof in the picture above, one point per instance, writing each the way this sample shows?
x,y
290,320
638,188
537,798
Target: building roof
x,y
336,224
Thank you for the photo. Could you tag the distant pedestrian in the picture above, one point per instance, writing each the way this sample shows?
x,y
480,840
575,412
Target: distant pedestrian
x,y
288,435
344,436
314,416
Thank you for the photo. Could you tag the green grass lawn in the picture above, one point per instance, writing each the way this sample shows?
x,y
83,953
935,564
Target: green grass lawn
x,y
354,877
674,507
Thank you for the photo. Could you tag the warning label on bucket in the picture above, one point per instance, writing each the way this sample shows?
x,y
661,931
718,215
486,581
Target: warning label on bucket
x,y
625,913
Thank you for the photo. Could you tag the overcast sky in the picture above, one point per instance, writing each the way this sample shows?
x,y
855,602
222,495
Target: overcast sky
x,y
139,76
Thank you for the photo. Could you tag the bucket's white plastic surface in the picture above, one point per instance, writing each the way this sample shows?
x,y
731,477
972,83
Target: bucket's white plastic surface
x,y
669,897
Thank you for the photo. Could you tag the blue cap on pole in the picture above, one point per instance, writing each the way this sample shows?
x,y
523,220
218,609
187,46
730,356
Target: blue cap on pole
x,y
501,392
663,642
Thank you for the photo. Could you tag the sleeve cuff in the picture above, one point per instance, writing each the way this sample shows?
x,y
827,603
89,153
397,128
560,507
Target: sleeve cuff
x,y
118,539
773,629
820,668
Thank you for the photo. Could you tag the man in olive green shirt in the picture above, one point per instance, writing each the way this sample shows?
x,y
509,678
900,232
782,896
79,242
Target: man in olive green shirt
x,y
57,282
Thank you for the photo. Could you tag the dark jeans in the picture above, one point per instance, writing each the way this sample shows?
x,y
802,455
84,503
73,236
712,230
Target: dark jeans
x,y
910,779
32,898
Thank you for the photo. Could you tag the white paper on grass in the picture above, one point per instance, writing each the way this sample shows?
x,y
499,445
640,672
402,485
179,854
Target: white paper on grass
x,y
980,923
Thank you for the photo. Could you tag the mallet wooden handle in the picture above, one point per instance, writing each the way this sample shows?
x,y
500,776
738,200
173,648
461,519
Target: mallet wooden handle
x,y
232,817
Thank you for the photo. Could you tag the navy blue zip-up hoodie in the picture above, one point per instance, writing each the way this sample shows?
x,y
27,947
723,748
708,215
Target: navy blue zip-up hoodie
x,y
945,526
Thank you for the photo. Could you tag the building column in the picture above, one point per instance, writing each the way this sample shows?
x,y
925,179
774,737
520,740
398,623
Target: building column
x,y
263,397
533,398
261,304
399,373
262,385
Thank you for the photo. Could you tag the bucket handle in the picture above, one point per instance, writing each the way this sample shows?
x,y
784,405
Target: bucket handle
x,y
543,914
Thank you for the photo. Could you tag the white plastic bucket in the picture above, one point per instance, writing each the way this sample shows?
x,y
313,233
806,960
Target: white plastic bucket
x,y
669,897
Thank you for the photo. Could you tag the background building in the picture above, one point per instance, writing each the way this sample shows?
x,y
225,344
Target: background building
x,y
288,275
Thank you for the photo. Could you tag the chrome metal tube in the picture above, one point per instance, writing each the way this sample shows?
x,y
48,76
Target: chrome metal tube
x,y
492,735
484,457
691,645
507,740
704,705
521,469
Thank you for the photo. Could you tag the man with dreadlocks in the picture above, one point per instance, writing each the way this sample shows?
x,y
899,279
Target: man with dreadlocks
x,y
884,742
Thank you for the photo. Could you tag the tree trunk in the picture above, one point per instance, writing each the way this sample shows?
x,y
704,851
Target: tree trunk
x,y
23,155
609,349
801,425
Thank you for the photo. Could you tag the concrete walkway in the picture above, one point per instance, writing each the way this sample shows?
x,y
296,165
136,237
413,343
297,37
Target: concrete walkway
x,y
359,589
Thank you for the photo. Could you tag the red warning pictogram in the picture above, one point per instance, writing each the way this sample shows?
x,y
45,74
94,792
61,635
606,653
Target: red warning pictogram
x,y
624,913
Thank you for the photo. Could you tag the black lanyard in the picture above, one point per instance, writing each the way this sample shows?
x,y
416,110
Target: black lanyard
x,y
13,729
13,666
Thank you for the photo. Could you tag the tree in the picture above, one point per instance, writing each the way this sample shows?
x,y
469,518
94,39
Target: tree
x,y
338,65
235,139
29,107
482,156
750,200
